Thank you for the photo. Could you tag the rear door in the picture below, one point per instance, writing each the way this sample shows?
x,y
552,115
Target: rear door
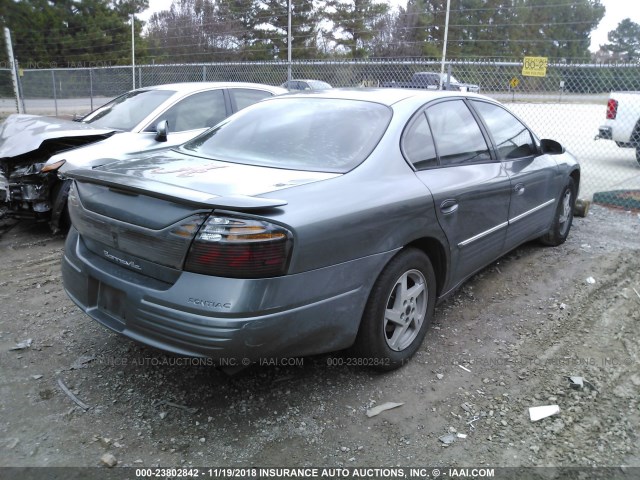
x,y
535,178
471,189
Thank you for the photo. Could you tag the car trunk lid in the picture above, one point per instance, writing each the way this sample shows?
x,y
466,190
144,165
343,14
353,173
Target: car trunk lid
x,y
131,215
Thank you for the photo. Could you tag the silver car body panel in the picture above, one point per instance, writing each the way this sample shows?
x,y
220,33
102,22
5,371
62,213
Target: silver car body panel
x,y
221,317
119,147
159,173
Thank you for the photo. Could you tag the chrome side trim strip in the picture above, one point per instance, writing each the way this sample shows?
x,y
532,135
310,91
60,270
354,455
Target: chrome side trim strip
x,y
483,234
502,225
533,210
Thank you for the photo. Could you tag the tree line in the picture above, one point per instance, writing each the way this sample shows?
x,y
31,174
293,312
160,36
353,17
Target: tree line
x,y
257,29
67,33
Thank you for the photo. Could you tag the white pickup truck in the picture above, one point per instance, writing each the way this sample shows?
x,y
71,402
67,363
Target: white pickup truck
x,y
623,121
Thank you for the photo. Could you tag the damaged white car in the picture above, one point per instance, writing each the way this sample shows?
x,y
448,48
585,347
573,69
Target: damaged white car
x,y
36,151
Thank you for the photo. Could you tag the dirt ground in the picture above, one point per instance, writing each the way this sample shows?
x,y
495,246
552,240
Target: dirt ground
x,y
505,342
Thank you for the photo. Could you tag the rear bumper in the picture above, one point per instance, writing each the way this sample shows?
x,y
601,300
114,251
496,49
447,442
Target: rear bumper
x,y
227,319
604,133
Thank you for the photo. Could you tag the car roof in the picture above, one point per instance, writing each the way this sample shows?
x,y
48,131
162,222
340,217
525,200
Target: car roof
x,y
187,87
385,96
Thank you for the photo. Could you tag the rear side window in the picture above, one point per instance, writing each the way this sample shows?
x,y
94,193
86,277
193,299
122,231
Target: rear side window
x,y
243,97
315,134
456,134
513,140
418,144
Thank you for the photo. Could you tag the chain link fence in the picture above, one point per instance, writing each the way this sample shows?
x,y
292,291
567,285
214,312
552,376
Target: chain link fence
x,y
568,104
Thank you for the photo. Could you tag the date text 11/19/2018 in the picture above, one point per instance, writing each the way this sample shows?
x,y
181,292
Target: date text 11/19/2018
x,y
310,472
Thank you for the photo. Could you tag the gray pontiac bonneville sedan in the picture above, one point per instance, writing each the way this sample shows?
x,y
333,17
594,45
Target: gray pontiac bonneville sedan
x,y
313,222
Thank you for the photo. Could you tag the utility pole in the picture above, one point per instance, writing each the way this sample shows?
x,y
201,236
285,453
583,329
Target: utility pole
x,y
14,69
289,41
444,46
133,51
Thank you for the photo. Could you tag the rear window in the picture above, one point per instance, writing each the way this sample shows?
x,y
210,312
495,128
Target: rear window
x,y
316,134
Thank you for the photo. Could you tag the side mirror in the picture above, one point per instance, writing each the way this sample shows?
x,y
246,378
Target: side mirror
x,y
551,147
162,130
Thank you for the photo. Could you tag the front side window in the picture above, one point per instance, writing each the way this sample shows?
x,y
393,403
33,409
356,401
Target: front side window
x,y
456,134
513,140
200,110
315,134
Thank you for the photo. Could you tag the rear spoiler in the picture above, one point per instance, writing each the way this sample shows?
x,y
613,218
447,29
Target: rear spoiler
x,y
165,191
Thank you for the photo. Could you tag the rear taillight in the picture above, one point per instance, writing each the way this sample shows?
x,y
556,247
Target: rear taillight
x,y
239,248
612,109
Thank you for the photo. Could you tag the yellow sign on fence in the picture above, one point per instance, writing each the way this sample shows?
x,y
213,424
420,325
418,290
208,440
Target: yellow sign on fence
x,y
534,67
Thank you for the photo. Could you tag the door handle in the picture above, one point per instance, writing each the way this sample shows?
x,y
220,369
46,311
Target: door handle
x,y
518,189
449,206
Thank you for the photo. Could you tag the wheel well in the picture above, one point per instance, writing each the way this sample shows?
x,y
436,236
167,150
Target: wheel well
x,y
436,253
576,178
634,141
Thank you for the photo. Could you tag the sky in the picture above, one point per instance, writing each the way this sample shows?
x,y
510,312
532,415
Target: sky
x,y
616,11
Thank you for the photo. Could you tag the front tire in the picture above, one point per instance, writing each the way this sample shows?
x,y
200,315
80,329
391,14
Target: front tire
x,y
563,217
60,220
398,312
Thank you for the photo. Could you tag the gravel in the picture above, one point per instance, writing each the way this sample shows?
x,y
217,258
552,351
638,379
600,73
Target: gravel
x,y
519,328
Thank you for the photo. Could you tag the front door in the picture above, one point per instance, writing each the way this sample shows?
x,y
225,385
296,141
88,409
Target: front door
x,y
535,179
470,188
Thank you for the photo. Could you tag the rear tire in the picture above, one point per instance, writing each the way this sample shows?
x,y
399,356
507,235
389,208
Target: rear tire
x,y
635,140
398,312
563,217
